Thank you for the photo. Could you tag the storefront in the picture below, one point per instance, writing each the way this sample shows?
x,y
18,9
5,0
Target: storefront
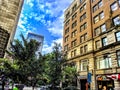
x,y
104,82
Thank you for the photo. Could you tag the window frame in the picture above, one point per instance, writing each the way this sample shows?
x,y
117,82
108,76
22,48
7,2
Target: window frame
x,y
117,37
104,41
112,7
118,57
83,65
116,22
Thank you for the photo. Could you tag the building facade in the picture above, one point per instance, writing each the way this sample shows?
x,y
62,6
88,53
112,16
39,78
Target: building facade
x,y
9,15
91,39
38,38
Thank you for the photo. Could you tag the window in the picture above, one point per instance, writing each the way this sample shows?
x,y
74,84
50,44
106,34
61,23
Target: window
x,y
114,6
81,1
85,49
118,58
84,65
82,17
81,50
103,28
97,44
119,2
74,24
101,15
118,36
97,6
83,27
104,41
68,14
97,31
67,30
83,38
83,8
116,20
96,19
92,1
74,33
74,16
66,47
74,7
100,29
73,53
67,23
104,62
74,43
66,38
100,4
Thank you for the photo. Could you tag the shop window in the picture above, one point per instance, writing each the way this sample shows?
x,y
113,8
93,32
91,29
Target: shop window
x,y
104,41
116,20
114,6
118,58
117,36
84,65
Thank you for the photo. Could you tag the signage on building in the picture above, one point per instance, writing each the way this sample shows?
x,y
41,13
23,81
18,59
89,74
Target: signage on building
x,y
89,77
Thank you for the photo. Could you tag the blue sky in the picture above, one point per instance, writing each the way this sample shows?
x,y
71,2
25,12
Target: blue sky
x,y
44,17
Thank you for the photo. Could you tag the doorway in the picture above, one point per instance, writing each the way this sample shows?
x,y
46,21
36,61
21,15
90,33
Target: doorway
x,y
83,84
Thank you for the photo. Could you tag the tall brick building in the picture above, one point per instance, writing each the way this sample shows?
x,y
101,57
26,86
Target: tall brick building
x,y
91,40
9,15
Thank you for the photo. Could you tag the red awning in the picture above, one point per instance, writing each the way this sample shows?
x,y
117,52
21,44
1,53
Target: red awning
x,y
114,76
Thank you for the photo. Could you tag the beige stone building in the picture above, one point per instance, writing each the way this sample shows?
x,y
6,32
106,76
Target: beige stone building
x,y
91,39
9,15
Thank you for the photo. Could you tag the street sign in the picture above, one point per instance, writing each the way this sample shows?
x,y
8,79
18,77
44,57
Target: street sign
x,y
89,78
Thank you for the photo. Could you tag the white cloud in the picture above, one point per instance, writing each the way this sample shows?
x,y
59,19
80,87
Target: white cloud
x,y
56,27
48,48
22,22
55,10
30,3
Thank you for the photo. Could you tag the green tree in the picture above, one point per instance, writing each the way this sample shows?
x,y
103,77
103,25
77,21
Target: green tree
x,y
24,55
54,61
69,74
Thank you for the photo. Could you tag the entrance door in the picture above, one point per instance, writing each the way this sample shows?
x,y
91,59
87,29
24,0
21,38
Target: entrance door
x,y
83,84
